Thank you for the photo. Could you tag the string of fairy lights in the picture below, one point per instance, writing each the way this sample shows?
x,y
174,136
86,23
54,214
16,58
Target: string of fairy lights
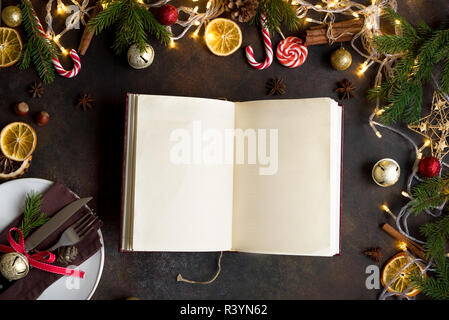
x,y
194,19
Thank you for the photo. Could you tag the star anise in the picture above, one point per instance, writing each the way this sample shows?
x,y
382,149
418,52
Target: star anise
x,y
36,89
276,86
345,89
85,101
374,254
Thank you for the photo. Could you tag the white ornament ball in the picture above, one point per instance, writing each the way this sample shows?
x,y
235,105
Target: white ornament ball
x,y
140,59
386,172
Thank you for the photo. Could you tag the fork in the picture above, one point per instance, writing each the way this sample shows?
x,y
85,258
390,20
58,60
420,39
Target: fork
x,y
76,232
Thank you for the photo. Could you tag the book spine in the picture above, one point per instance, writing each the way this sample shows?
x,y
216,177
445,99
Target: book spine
x,y
125,137
341,171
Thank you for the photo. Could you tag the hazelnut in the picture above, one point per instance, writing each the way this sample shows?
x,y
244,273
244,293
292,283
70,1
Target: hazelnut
x,y
21,109
42,118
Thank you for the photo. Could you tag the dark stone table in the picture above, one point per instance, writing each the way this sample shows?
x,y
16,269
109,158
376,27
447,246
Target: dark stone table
x,y
84,150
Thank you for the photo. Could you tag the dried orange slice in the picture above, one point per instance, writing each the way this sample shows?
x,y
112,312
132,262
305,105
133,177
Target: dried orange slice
x,y
10,47
402,281
223,36
10,169
18,141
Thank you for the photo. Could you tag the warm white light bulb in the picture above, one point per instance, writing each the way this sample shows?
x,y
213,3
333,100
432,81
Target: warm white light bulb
x,y
402,246
363,68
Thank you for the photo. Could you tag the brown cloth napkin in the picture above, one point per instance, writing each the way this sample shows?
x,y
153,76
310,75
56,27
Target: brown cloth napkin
x,y
32,286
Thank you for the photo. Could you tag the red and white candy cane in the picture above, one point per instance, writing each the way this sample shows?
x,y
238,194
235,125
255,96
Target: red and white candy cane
x,y
76,65
59,69
291,53
267,45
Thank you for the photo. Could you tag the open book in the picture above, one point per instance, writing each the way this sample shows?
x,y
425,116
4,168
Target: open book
x,y
212,175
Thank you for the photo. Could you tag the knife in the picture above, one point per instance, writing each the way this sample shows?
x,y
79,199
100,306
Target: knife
x,y
54,223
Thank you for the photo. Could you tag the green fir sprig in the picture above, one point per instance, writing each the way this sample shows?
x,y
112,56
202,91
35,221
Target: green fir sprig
x,y
436,285
421,48
278,13
32,215
38,49
132,22
431,193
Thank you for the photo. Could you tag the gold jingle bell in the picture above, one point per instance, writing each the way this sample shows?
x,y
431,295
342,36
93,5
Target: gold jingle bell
x,y
341,59
14,266
12,16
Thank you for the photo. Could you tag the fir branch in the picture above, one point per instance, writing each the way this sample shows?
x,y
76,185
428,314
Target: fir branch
x,y
429,194
32,216
107,17
437,233
392,44
38,50
421,48
132,22
444,77
278,13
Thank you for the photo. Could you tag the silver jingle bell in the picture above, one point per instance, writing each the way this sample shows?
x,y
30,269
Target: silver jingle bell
x,y
386,172
14,266
140,59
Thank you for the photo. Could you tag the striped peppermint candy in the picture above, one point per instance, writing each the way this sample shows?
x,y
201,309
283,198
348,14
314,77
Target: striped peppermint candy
x,y
68,73
291,52
59,69
268,49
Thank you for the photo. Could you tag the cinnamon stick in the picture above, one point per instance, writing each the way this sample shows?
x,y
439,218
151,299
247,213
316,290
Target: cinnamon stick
x,y
414,247
335,31
343,31
310,41
340,24
88,34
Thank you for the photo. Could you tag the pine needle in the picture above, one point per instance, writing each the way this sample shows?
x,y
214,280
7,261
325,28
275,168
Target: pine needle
x,y
278,13
38,50
430,194
421,48
132,22
32,215
437,234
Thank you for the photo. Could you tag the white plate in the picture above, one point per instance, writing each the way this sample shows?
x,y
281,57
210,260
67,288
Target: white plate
x,y
12,198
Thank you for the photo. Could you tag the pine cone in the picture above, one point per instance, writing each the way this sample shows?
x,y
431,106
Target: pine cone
x,y
67,255
242,10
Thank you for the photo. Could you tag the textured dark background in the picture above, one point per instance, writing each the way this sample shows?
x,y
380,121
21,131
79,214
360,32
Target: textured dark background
x,y
84,150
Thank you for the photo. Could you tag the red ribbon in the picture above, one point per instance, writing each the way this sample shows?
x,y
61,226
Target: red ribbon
x,y
40,260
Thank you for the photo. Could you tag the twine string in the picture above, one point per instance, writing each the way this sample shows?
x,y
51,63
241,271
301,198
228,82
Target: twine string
x,y
180,278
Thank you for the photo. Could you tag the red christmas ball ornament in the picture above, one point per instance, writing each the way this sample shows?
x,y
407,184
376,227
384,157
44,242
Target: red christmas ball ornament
x,y
429,167
167,14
